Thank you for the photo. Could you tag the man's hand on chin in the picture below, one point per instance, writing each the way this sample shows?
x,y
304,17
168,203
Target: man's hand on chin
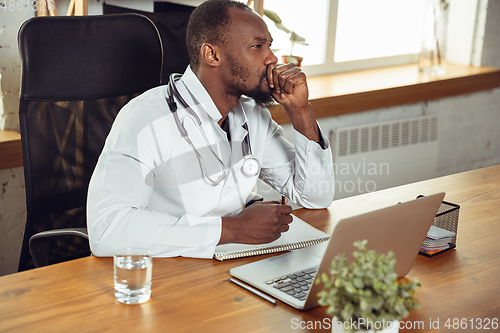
x,y
289,88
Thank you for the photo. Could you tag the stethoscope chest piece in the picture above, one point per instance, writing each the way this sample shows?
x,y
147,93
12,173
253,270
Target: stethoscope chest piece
x,y
250,167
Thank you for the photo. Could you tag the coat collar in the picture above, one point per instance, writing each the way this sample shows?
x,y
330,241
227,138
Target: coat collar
x,y
198,95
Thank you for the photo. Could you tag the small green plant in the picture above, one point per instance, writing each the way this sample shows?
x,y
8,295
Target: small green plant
x,y
294,38
367,290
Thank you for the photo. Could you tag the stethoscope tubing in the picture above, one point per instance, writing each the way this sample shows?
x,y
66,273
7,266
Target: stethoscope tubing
x,y
251,166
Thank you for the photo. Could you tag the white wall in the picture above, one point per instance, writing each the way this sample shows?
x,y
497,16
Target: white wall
x,y
469,124
10,66
12,198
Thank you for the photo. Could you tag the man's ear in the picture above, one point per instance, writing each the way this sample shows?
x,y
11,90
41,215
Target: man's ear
x,y
210,54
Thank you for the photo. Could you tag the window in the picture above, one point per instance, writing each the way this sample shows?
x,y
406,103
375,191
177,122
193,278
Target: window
x,y
368,29
309,21
349,34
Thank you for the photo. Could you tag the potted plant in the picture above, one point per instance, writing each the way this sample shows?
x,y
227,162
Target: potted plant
x,y
365,295
294,38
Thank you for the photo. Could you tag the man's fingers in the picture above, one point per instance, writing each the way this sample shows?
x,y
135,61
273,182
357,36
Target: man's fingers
x,y
291,78
270,79
267,221
295,81
285,214
273,73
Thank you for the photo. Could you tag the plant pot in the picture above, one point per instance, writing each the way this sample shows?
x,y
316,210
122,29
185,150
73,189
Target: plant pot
x,y
381,327
287,59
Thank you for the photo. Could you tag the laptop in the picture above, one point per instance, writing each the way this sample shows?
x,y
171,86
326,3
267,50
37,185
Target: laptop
x,y
290,277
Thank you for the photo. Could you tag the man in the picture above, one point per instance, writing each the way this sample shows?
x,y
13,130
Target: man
x,y
172,177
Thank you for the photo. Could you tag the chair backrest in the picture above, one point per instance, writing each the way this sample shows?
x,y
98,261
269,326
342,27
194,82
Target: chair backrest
x,y
77,73
172,20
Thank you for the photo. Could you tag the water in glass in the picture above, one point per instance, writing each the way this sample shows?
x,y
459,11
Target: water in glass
x,y
133,278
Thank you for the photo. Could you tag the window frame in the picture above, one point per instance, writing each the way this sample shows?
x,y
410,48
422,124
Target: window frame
x,y
330,66
460,12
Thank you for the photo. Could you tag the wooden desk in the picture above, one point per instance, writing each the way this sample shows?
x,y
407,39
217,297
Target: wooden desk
x,y
193,295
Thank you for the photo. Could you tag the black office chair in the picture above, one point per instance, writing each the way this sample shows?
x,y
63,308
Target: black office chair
x,y
77,73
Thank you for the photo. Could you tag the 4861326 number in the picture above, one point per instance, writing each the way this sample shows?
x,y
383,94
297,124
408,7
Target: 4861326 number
x,y
472,324
27,5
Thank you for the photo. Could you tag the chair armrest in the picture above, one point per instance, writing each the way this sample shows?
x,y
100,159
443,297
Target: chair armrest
x,y
39,243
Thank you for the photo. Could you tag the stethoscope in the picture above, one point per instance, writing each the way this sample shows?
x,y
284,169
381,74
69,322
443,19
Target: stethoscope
x,y
251,166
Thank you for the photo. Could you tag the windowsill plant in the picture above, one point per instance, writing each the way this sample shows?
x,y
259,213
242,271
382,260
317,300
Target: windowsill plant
x,y
294,38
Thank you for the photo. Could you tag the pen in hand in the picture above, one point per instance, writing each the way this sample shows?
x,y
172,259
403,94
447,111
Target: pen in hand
x,y
282,199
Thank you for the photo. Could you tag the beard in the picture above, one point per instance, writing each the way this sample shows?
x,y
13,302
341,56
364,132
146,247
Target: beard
x,y
261,97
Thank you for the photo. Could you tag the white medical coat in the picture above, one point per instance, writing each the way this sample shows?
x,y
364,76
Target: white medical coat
x,y
148,189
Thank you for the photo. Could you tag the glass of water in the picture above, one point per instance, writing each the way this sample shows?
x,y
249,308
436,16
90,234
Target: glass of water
x,y
133,269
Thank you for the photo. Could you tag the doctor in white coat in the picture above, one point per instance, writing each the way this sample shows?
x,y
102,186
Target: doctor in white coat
x,y
182,159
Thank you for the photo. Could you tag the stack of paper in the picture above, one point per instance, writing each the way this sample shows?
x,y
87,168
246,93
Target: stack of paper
x,y
437,240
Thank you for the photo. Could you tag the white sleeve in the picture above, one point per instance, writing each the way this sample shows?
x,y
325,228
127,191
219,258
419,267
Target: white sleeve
x,y
303,173
118,212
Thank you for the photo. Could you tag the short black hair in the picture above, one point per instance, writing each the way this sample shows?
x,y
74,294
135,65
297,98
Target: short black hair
x,y
208,24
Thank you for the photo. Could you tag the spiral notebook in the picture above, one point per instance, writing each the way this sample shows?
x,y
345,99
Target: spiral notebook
x,y
301,234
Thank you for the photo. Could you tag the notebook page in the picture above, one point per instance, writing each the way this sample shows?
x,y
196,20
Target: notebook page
x,y
300,231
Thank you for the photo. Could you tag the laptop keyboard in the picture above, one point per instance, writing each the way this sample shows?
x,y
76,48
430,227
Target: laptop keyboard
x,y
297,284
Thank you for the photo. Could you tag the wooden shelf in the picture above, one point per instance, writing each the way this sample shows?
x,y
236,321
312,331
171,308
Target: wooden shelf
x,y
10,150
337,94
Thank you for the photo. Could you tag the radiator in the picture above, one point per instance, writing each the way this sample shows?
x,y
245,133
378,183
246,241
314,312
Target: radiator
x,y
373,157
